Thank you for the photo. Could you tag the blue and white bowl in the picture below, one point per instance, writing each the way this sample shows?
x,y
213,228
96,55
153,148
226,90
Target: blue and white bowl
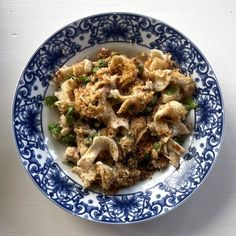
x,y
42,157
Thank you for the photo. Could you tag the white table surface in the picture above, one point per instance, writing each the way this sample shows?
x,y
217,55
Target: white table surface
x,y
25,24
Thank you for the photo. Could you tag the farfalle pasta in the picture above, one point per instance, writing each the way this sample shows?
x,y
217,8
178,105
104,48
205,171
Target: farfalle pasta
x,y
121,118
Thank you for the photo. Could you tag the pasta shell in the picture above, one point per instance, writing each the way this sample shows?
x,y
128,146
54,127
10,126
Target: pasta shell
x,y
159,78
85,166
158,60
172,110
125,67
185,82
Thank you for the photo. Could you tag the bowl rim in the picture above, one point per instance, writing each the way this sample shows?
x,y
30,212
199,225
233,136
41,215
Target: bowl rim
x,y
220,97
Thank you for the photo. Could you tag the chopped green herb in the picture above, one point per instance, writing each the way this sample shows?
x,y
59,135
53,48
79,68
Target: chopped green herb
x,y
189,103
70,115
93,135
89,139
70,110
69,139
54,129
157,146
84,78
50,101
95,69
102,63
170,90
140,69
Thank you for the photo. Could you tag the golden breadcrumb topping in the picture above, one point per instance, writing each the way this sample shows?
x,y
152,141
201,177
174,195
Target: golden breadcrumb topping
x,y
121,118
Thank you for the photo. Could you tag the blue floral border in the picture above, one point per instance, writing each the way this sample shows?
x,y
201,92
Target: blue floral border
x,y
27,118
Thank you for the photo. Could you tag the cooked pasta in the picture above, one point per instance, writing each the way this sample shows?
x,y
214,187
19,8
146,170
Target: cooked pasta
x,y
121,118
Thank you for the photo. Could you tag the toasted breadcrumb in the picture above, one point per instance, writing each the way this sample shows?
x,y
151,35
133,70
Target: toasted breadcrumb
x,y
121,116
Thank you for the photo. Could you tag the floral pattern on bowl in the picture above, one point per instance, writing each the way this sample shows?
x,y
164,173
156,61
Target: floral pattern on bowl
x,y
79,37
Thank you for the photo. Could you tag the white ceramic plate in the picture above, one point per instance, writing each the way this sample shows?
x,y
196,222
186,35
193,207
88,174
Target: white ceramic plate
x,y
42,157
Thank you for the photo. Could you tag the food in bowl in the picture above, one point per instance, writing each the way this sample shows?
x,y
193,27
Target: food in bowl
x,y
121,118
